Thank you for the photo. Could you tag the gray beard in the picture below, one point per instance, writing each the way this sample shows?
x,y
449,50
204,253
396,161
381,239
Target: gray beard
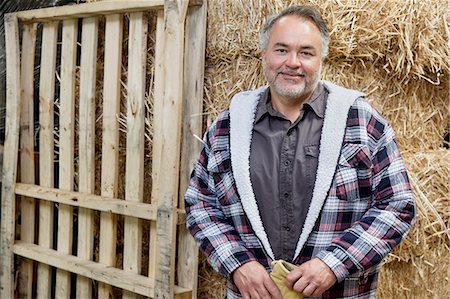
x,y
292,94
289,93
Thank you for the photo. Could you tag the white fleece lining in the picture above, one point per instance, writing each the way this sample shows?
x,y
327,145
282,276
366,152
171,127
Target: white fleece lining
x,y
338,104
242,114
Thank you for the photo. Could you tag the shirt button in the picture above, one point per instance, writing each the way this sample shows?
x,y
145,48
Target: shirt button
x,y
287,228
286,195
286,163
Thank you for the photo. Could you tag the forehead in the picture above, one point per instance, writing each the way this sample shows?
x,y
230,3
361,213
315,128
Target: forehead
x,y
294,30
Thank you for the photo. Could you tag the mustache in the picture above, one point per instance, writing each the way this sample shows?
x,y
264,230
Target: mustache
x,y
290,72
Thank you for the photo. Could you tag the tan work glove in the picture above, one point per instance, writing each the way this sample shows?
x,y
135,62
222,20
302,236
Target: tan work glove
x,y
280,270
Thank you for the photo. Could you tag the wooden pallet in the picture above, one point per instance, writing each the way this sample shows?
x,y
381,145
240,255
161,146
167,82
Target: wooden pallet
x,y
177,109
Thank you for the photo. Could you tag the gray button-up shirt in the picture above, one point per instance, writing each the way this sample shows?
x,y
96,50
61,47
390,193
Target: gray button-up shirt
x,y
283,166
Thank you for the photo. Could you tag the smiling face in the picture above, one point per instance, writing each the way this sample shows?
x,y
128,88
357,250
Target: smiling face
x,y
292,59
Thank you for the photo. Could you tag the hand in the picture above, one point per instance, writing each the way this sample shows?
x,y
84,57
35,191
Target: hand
x,y
311,278
253,281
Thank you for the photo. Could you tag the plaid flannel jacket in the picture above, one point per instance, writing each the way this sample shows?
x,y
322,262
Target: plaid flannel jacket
x,y
362,203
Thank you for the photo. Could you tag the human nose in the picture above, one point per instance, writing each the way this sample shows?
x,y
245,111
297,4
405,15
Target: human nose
x,y
293,61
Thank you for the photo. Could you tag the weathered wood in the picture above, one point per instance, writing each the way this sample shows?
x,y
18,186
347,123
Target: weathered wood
x,y
93,9
169,130
94,202
158,104
110,142
163,212
134,168
86,177
195,42
66,147
46,148
123,279
88,10
186,295
12,125
27,205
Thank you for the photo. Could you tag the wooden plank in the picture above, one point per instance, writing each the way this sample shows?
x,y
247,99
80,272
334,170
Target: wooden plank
x,y
12,125
186,295
92,9
110,142
134,169
123,279
66,147
27,205
187,268
158,103
100,203
88,10
170,132
86,178
46,148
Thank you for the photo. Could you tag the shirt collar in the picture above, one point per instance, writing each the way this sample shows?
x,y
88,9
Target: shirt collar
x,y
317,103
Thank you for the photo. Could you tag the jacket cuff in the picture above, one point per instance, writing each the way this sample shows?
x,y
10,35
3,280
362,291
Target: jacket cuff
x,y
335,264
233,261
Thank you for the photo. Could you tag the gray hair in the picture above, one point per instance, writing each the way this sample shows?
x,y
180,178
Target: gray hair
x,y
303,12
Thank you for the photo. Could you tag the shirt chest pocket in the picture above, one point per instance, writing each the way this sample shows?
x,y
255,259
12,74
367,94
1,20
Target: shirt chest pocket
x,y
311,163
353,179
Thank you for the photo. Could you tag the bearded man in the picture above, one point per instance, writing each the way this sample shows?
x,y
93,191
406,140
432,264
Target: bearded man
x,y
303,171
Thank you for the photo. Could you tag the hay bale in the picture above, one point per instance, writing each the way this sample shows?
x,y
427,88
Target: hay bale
x,y
419,267
395,51
210,284
407,38
418,111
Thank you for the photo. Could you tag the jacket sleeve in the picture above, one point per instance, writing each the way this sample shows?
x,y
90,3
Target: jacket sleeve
x,y
212,230
391,211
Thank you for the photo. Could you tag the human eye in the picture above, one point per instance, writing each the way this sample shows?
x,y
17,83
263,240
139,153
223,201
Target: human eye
x,y
280,50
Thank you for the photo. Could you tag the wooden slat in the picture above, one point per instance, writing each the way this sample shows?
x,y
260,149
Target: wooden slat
x,y
170,134
123,279
110,142
95,202
27,205
46,148
187,268
86,181
88,10
66,147
134,169
92,9
10,153
185,295
158,104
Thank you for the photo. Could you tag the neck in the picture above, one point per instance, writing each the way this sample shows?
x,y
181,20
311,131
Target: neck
x,y
289,107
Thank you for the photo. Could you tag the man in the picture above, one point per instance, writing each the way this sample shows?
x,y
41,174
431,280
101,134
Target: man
x,y
302,170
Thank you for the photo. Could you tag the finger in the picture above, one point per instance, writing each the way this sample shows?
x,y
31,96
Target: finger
x,y
318,292
245,296
263,293
254,294
273,290
270,290
309,290
300,285
293,276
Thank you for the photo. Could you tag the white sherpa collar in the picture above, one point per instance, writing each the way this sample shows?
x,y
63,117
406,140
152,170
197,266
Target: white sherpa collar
x,y
242,114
